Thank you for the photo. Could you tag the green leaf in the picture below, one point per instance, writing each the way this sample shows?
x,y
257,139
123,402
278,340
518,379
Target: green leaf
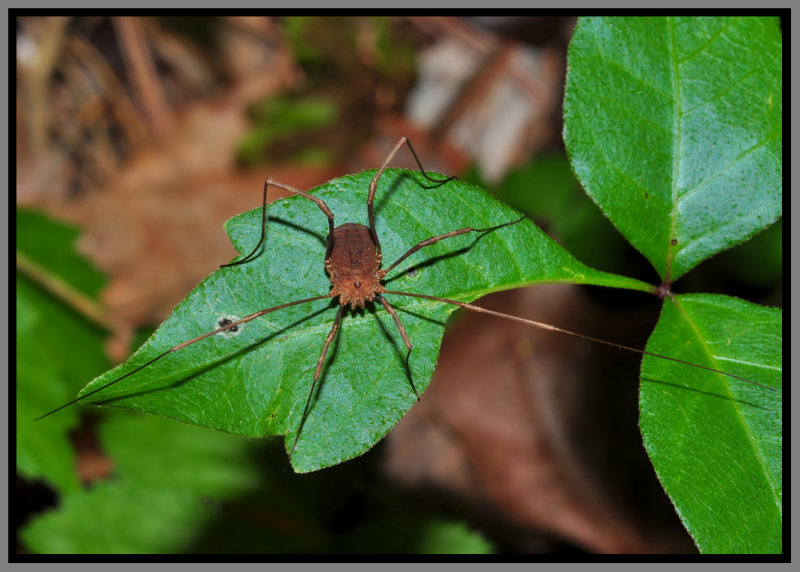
x,y
43,450
438,537
215,489
280,117
128,519
413,535
49,335
256,382
674,127
144,449
52,245
715,441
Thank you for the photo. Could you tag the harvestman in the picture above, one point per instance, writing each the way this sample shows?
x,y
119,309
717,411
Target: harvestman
x,y
353,262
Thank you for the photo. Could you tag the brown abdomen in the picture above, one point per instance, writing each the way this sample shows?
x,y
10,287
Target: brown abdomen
x,y
354,264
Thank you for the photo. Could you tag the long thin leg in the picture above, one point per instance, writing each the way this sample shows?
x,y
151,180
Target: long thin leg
x,y
180,346
373,186
550,328
317,372
451,234
263,231
320,203
404,335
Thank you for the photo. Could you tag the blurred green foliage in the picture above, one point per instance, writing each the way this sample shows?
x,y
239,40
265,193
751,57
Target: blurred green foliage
x,y
279,117
345,62
326,47
51,244
57,349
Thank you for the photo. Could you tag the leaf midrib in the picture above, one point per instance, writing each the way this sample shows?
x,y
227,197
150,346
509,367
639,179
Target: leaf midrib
x,y
675,149
709,354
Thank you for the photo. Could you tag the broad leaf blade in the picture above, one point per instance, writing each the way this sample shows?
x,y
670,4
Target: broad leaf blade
x,y
256,382
715,441
674,128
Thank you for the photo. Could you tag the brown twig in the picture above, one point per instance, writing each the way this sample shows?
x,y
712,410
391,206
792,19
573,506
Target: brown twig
x,y
113,91
49,37
80,302
143,74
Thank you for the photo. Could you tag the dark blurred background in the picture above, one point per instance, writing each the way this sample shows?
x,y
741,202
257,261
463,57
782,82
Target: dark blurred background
x,y
148,133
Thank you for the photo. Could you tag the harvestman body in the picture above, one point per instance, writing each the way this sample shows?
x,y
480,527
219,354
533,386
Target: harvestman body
x,y
353,261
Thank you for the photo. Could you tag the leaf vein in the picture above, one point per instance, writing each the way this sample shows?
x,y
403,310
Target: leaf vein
x,y
735,403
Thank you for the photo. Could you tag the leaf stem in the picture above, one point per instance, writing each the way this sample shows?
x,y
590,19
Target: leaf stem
x,y
78,301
